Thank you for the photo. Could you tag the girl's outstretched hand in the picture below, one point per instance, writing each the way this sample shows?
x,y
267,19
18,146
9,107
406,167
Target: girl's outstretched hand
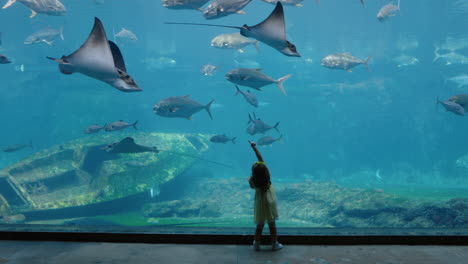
x,y
252,144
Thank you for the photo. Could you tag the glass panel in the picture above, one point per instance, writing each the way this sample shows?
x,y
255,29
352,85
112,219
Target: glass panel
x,y
143,126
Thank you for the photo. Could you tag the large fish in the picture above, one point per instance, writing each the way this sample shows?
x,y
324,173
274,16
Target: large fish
x,y
388,11
100,59
453,107
449,58
46,7
248,96
258,126
16,147
128,145
184,4
267,140
461,99
233,41
222,139
119,125
254,78
4,59
271,31
46,35
94,129
343,61
180,106
222,8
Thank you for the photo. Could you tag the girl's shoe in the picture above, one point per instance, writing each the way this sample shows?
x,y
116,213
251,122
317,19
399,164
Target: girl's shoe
x,y
276,246
256,246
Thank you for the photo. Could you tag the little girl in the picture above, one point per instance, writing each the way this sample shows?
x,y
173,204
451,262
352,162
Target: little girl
x,y
265,208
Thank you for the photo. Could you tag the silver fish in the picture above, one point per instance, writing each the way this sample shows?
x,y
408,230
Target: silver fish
x,y
100,59
221,8
343,61
248,96
258,126
180,106
388,11
46,35
222,139
449,58
185,4
254,78
460,80
93,129
119,125
160,63
46,7
452,107
233,41
125,35
404,60
267,140
208,69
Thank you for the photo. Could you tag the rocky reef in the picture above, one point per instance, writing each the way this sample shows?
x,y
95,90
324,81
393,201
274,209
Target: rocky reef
x,y
319,203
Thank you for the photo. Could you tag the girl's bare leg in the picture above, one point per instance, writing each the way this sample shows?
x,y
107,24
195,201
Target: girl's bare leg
x,y
258,232
273,232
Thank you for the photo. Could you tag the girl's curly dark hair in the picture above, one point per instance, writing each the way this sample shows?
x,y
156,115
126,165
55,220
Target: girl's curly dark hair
x,y
261,176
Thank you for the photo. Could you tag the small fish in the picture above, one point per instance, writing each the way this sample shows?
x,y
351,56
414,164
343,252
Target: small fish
x,y
248,96
4,59
46,7
222,139
388,11
452,107
180,106
267,140
208,69
254,78
155,190
258,126
16,147
222,8
185,4
343,61
119,125
404,60
233,41
125,36
296,3
94,129
46,35
460,80
128,145
449,58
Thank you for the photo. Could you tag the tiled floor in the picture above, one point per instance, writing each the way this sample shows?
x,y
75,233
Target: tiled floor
x,y
13,252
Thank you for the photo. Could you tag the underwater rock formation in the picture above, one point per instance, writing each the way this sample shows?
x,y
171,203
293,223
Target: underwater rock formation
x,y
80,172
182,208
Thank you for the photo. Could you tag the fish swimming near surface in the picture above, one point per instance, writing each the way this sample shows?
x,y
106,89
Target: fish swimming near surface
x,y
258,126
46,35
94,129
100,59
452,107
222,8
271,31
233,41
254,78
16,147
222,139
343,61
388,11
185,4
46,7
125,36
4,59
268,141
208,69
287,2
128,145
248,96
181,107
119,125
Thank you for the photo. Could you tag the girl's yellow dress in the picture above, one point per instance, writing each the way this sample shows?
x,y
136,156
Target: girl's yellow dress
x,y
265,206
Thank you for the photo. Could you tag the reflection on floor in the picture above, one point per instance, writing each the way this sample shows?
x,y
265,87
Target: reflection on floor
x,y
13,252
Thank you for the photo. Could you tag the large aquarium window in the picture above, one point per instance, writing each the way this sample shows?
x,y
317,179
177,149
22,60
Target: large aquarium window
x,y
137,114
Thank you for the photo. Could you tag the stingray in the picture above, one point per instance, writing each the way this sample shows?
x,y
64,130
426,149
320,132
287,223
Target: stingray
x,y
270,31
128,145
100,59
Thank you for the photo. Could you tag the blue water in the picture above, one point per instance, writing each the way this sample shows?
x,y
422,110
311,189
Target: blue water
x,y
384,119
